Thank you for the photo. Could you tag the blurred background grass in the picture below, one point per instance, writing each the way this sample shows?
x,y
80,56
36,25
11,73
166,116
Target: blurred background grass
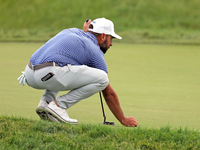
x,y
152,21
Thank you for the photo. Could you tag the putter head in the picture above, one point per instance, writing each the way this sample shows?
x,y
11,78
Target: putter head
x,y
108,123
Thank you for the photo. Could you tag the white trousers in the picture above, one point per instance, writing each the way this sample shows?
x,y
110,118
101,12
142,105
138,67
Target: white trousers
x,y
81,82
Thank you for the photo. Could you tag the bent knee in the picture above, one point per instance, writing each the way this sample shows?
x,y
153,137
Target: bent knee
x,y
104,80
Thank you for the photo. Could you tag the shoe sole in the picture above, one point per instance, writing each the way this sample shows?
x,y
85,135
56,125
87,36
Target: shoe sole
x,y
43,114
51,118
49,111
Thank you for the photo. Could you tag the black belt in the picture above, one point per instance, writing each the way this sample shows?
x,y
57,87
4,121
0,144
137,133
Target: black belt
x,y
40,66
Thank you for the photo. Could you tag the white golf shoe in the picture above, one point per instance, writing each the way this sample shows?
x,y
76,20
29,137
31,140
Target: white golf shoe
x,y
40,110
59,113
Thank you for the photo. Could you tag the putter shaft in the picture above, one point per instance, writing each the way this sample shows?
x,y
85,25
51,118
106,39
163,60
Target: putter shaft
x,y
102,107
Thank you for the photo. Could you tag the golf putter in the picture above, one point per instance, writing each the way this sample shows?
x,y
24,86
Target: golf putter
x,y
104,116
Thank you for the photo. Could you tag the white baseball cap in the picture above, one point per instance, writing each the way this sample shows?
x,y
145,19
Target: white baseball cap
x,y
103,25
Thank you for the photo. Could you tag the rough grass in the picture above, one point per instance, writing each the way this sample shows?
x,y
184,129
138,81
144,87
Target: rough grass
x,y
20,133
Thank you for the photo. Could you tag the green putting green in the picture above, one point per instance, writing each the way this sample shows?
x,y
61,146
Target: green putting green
x,y
157,84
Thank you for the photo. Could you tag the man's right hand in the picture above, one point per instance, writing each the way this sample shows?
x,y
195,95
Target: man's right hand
x,y
113,103
129,122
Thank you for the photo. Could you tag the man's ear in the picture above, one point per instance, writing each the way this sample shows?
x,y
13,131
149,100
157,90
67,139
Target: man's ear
x,y
103,37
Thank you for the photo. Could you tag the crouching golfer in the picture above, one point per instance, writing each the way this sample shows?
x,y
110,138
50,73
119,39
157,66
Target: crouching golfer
x,y
73,61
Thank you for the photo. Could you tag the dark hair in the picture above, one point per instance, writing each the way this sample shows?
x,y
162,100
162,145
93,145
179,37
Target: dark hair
x,y
90,26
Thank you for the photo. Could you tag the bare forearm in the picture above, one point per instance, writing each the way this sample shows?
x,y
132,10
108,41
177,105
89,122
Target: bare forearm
x,y
114,105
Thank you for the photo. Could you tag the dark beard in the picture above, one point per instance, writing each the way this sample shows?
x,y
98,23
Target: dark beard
x,y
103,49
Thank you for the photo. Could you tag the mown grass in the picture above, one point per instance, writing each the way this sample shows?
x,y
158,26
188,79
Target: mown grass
x,y
21,133
156,84
154,21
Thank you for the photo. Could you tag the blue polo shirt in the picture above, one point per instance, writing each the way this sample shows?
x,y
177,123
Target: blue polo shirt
x,y
71,46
